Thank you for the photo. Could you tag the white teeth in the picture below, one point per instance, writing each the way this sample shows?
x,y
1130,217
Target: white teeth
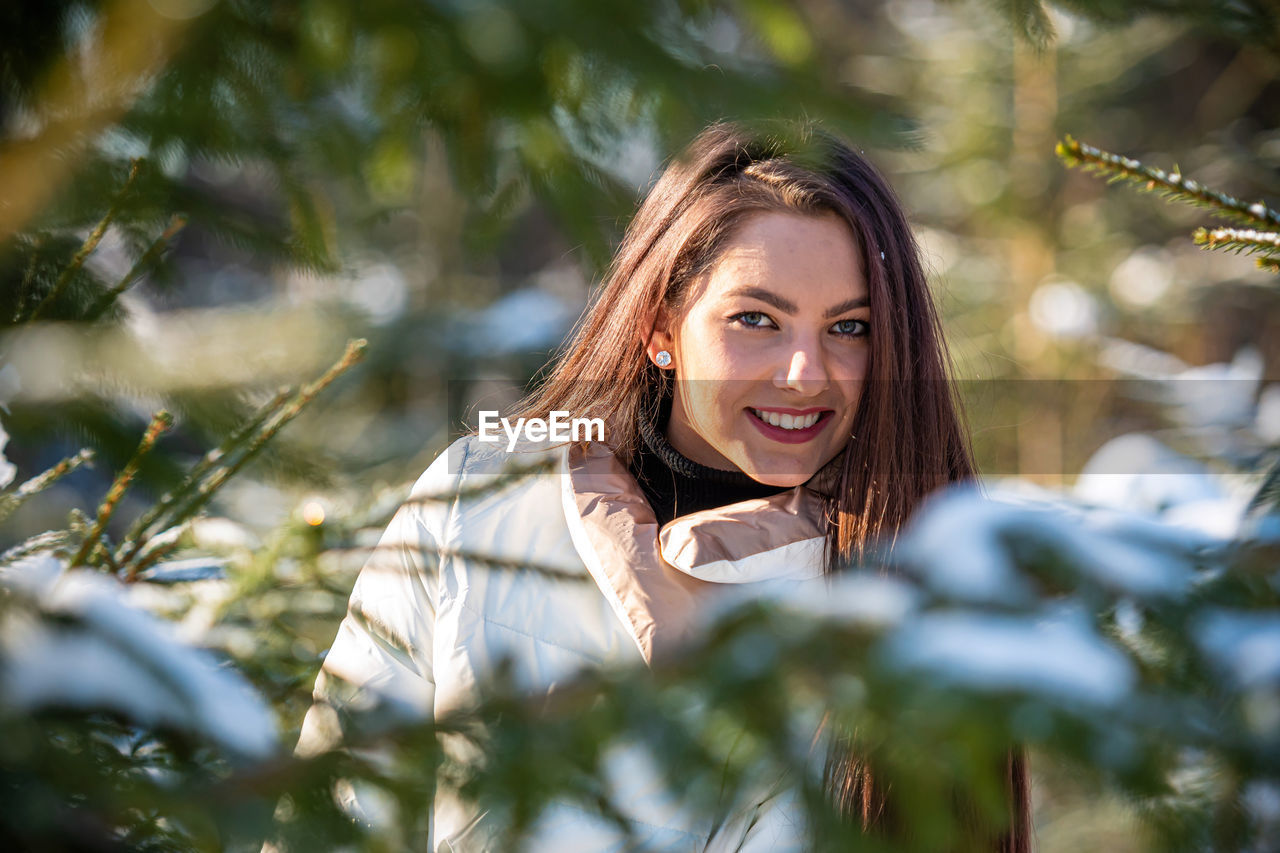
x,y
788,421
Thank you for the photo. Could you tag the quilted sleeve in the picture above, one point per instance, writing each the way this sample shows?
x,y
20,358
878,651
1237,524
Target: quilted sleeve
x,y
379,668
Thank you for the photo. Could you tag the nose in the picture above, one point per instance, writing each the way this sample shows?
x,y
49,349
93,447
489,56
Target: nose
x,y
804,370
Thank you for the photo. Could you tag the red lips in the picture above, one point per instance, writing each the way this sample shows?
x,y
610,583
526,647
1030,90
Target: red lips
x,y
790,436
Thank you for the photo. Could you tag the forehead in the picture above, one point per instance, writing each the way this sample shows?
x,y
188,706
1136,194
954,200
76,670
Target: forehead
x,y
815,253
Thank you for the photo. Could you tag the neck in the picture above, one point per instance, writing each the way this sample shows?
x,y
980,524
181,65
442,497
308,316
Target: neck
x,y
676,485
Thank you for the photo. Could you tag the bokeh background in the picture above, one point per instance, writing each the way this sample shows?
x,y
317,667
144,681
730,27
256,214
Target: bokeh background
x,y
202,201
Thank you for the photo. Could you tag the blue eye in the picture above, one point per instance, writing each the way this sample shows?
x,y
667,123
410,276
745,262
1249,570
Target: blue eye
x,y
753,319
852,328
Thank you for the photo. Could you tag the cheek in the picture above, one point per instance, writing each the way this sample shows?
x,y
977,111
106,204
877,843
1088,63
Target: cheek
x,y
704,352
849,377
852,367
738,363
718,375
850,371
708,410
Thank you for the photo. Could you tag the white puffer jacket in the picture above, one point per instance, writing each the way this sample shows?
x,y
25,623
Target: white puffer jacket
x,y
433,612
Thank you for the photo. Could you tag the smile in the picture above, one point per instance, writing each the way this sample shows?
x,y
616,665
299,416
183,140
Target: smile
x,y
790,427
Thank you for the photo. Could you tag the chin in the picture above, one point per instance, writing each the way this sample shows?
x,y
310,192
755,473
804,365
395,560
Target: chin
x,y
777,475
785,482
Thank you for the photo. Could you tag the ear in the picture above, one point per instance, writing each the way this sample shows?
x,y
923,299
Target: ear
x,y
660,338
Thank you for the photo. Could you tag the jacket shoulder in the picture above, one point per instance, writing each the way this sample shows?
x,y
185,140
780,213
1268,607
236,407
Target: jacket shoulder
x,y
471,456
472,464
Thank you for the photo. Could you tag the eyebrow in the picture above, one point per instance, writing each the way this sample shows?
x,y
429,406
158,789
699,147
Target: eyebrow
x,y
789,307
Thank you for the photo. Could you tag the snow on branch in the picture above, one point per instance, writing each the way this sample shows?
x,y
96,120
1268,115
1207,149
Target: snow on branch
x,y
68,639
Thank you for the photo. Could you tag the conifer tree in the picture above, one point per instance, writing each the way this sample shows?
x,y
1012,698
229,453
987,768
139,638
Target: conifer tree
x,y
106,108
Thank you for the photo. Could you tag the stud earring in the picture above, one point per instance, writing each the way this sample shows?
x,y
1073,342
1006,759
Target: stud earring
x,y
662,359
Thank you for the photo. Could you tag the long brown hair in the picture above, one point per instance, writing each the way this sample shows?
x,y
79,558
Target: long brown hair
x,y
908,438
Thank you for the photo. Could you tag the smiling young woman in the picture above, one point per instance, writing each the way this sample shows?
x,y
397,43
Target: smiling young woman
x,y
769,347
768,361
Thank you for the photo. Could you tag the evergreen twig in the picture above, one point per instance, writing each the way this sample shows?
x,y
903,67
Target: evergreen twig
x,y
489,561
159,423
1172,184
91,242
46,541
101,553
1245,240
40,482
176,224
274,423
1267,498
352,355
513,564
500,481
78,523
149,518
1240,239
150,558
27,278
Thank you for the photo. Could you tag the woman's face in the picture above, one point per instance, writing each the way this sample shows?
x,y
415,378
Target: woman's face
x,y
771,349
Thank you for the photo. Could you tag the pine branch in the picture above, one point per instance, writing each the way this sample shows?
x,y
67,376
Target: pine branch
x,y
78,523
354,352
489,561
498,483
265,411
1239,240
40,482
205,490
101,554
137,531
1267,498
159,423
1171,184
512,564
149,559
46,541
27,278
176,224
91,242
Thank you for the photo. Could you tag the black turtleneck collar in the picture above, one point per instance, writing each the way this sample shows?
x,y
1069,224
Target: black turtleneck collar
x,y
676,485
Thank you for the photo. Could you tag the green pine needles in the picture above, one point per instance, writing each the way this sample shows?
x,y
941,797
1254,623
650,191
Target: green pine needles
x,y
1262,237
87,543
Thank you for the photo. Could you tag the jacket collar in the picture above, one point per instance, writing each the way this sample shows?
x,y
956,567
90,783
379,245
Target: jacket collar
x,y
654,576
